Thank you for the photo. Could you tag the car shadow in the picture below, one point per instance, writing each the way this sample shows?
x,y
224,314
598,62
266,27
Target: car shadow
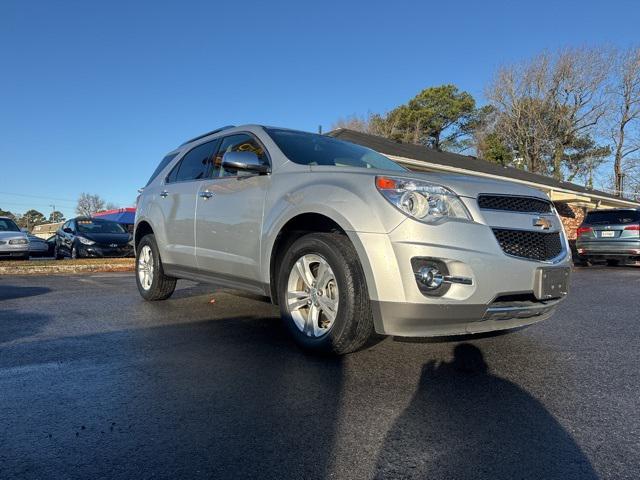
x,y
465,423
9,292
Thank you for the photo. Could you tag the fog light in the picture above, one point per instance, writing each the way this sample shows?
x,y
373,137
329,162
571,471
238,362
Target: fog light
x,y
430,277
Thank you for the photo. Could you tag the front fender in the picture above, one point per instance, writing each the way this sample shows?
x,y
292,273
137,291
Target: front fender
x,y
349,205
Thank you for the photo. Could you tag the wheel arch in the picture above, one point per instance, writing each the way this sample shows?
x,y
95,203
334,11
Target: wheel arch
x,y
301,224
143,228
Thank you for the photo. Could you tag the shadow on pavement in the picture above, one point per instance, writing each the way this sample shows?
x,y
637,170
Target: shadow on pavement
x,y
465,423
9,292
229,398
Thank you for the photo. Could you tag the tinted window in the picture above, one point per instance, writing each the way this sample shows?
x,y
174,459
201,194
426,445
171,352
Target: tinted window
x,y
610,217
99,226
311,149
237,143
165,161
8,225
194,165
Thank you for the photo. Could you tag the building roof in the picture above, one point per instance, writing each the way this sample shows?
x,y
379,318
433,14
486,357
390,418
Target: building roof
x,y
120,215
450,161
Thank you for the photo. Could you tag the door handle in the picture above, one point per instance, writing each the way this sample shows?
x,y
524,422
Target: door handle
x,y
164,194
206,194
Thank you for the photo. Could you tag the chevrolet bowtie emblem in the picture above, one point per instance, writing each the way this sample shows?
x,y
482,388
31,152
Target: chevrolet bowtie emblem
x,y
542,223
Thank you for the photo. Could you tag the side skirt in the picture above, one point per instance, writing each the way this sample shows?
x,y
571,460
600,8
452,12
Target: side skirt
x,y
196,275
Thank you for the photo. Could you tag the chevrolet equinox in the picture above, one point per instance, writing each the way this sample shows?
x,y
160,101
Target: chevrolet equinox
x,y
347,242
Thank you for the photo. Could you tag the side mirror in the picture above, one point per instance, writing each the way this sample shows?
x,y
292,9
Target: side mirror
x,y
67,230
247,161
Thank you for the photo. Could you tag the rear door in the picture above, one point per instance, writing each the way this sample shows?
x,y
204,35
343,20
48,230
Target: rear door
x,y
177,200
229,214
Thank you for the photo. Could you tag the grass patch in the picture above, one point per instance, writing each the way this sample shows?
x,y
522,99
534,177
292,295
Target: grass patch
x,y
83,265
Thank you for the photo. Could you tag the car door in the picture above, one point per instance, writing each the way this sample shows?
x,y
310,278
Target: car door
x,y
229,215
177,200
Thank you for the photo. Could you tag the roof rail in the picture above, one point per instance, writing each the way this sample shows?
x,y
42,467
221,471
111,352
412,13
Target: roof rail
x,y
207,134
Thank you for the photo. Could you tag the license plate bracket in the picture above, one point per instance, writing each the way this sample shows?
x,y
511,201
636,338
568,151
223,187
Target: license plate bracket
x,y
607,234
551,283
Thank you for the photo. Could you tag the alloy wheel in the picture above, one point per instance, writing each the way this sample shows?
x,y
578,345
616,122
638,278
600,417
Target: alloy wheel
x,y
312,295
145,267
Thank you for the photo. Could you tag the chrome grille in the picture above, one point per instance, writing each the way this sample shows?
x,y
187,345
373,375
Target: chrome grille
x,y
514,204
527,244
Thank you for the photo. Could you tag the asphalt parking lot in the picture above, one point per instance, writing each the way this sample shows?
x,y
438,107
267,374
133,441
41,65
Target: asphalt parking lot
x,y
96,383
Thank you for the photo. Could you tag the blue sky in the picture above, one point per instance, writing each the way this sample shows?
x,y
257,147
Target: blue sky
x,y
92,94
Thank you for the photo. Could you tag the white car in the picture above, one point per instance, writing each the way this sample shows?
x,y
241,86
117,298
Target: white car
x,y
14,243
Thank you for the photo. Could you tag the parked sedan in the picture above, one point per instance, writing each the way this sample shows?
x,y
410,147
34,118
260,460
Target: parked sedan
x,y
14,243
38,247
92,237
610,235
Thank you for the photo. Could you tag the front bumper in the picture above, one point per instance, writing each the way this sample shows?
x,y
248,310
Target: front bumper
x,y
14,251
99,251
501,295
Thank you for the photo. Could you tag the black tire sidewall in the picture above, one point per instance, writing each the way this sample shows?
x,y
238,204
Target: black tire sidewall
x,y
154,292
345,274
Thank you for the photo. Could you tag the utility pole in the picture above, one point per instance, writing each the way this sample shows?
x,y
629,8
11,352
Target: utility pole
x,y
53,212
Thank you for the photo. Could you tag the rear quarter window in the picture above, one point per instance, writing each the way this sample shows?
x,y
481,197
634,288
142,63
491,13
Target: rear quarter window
x,y
161,166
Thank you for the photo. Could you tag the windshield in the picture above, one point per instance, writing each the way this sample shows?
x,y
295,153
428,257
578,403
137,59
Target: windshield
x,y
312,149
612,217
8,225
99,226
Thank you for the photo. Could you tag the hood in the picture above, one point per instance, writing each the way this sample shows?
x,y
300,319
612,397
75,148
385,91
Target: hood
x,y
106,238
10,235
463,185
472,186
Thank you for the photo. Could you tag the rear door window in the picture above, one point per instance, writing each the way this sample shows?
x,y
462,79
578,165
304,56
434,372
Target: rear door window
x,y
612,217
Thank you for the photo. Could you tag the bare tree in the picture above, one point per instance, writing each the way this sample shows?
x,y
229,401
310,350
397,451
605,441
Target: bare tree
x,y
625,125
576,98
353,122
88,204
548,108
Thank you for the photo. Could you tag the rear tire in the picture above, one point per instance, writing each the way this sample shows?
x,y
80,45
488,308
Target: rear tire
x,y
613,263
581,262
330,310
152,283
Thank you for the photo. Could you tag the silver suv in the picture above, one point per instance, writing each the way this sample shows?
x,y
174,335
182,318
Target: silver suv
x,y
347,242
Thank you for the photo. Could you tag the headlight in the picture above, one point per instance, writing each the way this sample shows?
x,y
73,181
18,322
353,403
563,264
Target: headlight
x,y
86,241
422,200
19,241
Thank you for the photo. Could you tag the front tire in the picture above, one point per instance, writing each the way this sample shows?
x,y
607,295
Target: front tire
x,y
323,295
613,263
152,283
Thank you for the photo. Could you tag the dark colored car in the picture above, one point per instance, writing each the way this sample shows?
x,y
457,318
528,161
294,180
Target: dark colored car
x,y
610,235
92,237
